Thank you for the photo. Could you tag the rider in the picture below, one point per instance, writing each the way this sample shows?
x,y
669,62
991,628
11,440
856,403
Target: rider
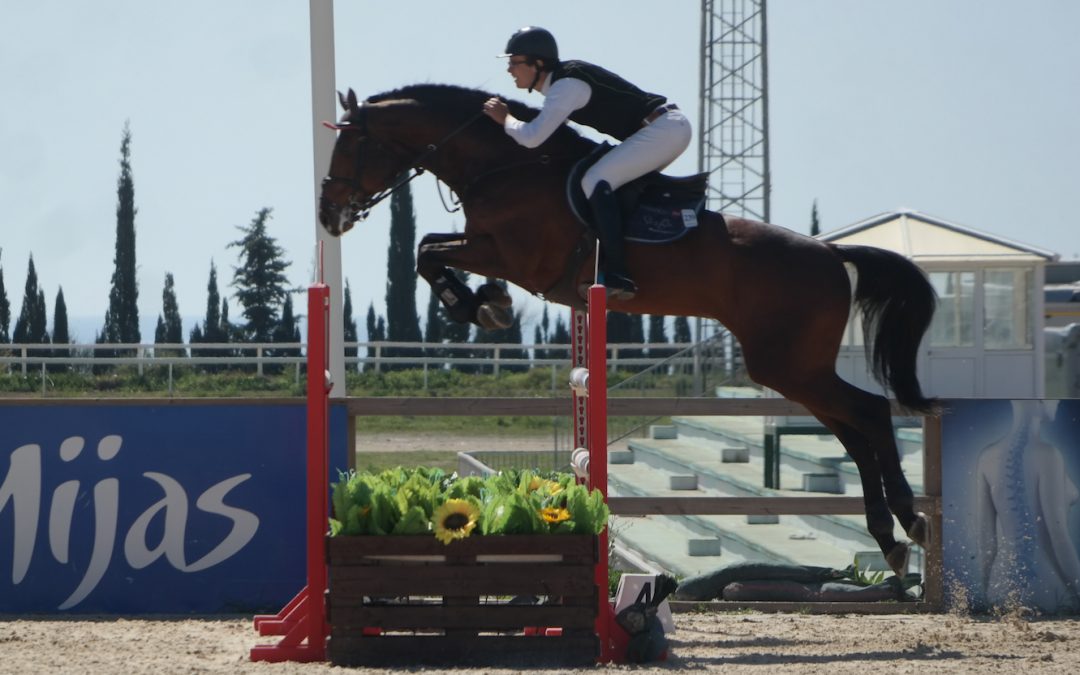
x,y
652,131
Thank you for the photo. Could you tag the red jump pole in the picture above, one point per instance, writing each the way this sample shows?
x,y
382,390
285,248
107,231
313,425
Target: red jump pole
x,y
304,618
598,456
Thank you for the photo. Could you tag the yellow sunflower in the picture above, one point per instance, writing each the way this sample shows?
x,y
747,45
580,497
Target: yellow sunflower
x,y
455,519
552,514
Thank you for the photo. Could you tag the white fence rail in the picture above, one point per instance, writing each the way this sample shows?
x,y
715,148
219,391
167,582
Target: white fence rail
x,y
369,355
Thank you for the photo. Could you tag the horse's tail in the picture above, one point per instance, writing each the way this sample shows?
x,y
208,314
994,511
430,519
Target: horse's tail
x,y
897,303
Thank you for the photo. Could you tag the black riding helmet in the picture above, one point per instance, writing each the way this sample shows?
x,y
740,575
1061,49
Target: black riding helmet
x,y
535,42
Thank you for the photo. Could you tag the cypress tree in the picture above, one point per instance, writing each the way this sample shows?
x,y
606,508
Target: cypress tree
x,y
402,322
61,334
682,331
287,330
376,330
170,328
350,334
211,327
433,328
31,326
657,336
815,226
622,328
122,317
5,308
260,281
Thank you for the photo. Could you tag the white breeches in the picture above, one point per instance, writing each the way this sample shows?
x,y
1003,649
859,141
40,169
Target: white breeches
x,y
650,149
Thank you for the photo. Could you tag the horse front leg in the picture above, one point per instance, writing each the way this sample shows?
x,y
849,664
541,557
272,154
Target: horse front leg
x,y
489,306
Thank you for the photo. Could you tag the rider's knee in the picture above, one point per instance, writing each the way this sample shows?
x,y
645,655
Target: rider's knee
x,y
591,183
592,179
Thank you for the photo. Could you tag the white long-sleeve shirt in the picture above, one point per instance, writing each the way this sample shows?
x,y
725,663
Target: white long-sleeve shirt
x,y
560,99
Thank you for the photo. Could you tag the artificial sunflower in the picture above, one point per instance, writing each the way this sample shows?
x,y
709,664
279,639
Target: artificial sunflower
x,y
455,519
553,514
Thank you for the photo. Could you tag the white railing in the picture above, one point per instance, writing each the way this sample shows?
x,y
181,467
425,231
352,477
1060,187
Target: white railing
x,y
490,357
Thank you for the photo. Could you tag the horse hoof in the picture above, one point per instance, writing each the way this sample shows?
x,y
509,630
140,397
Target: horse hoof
x,y
897,558
493,317
494,294
920,530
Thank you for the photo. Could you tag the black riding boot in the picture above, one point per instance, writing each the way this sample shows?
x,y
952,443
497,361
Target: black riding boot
x,y
608,219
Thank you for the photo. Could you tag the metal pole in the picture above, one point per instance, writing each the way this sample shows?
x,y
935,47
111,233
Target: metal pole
x,y
324,107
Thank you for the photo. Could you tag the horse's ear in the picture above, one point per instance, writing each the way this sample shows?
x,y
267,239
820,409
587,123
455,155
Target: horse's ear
x,y
352,102
341,99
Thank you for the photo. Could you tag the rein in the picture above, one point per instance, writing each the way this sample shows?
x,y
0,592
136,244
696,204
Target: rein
x,y
415,166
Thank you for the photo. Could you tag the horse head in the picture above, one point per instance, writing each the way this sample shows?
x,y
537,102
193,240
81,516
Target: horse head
x,y
363,167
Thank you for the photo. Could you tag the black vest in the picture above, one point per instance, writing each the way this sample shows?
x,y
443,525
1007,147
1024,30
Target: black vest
x,y
616,107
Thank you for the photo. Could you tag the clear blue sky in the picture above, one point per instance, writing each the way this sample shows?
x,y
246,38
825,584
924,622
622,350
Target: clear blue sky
x,y
966,110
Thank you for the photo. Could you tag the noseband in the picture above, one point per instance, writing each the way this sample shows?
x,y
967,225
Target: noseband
x,y
360,208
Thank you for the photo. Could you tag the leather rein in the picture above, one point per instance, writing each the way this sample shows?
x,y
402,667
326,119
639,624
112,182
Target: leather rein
x,y
361,209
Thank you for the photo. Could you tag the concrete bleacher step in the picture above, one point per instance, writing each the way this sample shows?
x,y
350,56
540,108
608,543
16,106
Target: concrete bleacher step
x,y
688,545
699,448
806,454
656,460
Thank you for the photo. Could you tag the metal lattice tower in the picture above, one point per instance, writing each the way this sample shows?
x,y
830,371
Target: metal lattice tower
x,y
733,142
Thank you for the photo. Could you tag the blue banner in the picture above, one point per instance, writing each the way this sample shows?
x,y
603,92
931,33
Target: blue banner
x,y
155,508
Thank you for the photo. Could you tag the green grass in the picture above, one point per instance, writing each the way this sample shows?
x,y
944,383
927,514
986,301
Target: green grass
x,y
380,461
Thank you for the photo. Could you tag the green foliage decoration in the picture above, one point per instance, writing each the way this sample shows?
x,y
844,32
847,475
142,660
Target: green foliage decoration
x,y
405,500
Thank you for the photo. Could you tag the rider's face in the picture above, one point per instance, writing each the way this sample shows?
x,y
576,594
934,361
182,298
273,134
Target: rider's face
x,y
523,73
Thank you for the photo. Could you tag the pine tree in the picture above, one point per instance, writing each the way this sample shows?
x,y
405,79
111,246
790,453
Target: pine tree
x,y
5,309
402,323
260,281
31,327
170,329
61,334
350,334
815,226
122,317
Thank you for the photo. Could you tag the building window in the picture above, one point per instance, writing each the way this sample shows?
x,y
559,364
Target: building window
x,y
954,320
1007,309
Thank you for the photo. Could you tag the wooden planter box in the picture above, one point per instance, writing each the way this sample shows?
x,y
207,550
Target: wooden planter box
x,y
409,600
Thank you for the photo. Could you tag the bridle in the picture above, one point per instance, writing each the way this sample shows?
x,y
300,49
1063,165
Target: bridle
x,y
359,209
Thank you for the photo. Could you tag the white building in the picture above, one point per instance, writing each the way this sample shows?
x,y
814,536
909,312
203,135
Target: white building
x,y
986,340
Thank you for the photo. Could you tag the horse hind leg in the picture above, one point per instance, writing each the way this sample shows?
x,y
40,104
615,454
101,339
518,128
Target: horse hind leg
x,y
879,520
868,416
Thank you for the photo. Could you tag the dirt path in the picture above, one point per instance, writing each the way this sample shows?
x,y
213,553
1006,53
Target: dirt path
x,y
766,644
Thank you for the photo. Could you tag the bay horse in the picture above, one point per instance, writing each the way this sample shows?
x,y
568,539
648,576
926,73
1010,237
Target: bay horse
x,y
784,296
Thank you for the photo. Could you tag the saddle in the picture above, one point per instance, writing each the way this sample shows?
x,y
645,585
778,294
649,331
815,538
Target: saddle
x,y
656,209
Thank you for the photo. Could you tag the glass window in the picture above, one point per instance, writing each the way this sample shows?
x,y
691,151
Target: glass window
x,y
1007,309
954,320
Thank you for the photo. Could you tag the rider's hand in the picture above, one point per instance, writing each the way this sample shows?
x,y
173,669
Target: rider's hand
x,y
496,110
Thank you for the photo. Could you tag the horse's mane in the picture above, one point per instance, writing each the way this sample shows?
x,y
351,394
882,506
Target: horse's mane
x,y
463,103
